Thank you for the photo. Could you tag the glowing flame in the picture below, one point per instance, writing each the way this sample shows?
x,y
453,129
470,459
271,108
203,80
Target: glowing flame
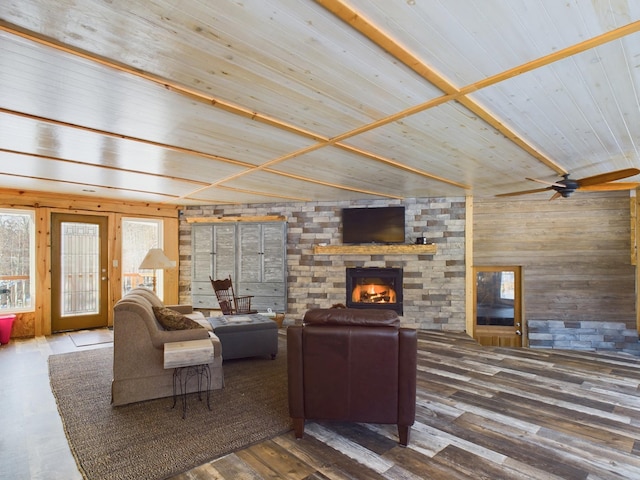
x,y
373,293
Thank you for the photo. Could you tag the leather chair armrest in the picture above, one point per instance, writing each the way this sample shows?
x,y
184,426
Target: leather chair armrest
x,y
295,371
407,376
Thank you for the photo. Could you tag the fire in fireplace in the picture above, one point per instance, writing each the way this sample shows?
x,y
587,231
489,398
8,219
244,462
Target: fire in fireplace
x,y
374,288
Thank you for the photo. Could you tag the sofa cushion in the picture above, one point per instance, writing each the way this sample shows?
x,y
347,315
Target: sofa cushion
x,y
198,317
172,320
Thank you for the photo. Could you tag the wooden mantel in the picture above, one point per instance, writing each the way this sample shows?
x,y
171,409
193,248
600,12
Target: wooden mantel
x,y
428,249
249,219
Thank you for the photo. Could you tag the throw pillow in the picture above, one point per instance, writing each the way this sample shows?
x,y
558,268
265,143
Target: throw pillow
x,y
172,320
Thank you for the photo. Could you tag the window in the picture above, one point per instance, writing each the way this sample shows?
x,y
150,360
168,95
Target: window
x,y
507,285
17,260
139,235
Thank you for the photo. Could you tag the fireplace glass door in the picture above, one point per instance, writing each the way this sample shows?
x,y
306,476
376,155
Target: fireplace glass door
x,y
374,288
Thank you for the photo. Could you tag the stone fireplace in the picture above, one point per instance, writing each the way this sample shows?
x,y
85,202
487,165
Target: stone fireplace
x,y
374,287
433,281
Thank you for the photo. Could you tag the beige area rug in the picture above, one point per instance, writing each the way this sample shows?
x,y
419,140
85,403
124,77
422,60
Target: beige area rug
x,y
150,440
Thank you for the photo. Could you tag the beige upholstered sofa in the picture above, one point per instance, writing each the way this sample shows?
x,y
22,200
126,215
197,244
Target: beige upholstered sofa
x,y
138,349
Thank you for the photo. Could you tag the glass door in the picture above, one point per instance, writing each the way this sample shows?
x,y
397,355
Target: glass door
x,y
79,282
497,308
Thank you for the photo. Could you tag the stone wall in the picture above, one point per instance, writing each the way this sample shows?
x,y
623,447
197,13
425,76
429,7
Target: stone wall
x,y
434,285
590,336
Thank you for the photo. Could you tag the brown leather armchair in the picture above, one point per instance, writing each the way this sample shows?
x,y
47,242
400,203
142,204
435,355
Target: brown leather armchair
x,y
352,365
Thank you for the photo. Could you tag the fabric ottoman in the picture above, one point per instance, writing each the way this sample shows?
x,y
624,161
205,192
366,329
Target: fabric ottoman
x,y
246,335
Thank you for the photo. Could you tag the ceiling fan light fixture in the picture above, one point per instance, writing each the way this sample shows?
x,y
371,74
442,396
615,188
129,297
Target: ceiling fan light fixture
x,y
602,182
566,186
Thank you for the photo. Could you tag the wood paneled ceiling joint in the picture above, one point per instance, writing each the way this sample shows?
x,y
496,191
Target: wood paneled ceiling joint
x,y
451,92
321,141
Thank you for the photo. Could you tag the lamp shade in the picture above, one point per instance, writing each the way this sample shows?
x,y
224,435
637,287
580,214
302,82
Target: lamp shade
x,y
156,259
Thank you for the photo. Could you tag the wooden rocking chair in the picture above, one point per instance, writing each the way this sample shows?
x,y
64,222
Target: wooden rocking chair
x,y
229,303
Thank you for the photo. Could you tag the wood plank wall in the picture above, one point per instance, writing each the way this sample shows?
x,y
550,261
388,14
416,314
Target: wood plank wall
x,y
575,253
38,322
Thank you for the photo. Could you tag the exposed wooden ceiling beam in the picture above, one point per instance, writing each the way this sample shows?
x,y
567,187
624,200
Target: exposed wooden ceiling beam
x,y
219,184
556,56
451,92
263,218
216,102
166,83
106,133
21,198
292,176
91,185
102,166
194,195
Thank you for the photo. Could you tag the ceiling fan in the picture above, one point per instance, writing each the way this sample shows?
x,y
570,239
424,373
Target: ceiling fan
x,y
596,183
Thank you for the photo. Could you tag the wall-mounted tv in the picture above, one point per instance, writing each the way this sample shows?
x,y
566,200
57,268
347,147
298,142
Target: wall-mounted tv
x,y
373,225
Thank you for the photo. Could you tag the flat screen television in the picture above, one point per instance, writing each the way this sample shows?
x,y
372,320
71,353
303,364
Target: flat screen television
x,y
373,225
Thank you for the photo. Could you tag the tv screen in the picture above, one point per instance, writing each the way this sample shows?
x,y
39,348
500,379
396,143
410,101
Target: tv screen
x,y
373,225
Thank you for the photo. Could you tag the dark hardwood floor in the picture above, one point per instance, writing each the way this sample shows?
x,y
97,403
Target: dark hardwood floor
x,y
483,413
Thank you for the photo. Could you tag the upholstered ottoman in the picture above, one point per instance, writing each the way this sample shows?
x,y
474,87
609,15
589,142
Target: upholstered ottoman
x,y
246,335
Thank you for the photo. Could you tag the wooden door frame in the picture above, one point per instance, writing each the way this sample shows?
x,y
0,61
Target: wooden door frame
x,y
101,319
518,303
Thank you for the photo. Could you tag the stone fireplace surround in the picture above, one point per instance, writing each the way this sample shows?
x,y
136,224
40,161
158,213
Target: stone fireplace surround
x,y
434,283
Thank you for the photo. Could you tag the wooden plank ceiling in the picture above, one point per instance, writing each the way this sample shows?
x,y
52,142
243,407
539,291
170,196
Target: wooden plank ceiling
x,y
271,100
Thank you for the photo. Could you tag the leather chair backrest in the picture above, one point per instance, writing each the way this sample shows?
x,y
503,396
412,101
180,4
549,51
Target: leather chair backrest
x,y
367,317
352,365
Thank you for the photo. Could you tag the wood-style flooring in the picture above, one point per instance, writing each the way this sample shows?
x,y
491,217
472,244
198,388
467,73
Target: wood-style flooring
x,y
482,413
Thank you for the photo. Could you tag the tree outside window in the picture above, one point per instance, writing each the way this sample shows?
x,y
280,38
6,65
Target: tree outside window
x,y
17,260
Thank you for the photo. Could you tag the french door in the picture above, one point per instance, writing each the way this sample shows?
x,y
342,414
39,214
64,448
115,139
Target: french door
x,y
498,306
79,283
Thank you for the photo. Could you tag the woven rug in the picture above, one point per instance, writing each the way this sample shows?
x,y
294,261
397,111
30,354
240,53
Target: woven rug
x,y
150,440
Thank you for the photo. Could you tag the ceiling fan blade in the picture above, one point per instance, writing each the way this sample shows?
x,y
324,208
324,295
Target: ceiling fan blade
x,y
608,187
555,195
607,177
524,192
553,184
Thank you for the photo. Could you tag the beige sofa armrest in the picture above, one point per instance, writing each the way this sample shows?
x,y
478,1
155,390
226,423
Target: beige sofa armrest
x,y
132,310
160,337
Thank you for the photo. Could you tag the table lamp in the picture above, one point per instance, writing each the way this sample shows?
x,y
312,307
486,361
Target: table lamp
x,y
155,259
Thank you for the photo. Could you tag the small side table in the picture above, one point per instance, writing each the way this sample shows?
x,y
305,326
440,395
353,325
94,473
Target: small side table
x,y
189,359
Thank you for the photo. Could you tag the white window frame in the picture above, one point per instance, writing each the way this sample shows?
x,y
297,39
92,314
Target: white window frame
x,y
158,244
32,260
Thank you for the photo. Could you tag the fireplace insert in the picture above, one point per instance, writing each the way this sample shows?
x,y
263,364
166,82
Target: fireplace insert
x,y
374,287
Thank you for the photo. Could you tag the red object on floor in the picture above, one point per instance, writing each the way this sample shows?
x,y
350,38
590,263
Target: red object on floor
x,y
6,322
